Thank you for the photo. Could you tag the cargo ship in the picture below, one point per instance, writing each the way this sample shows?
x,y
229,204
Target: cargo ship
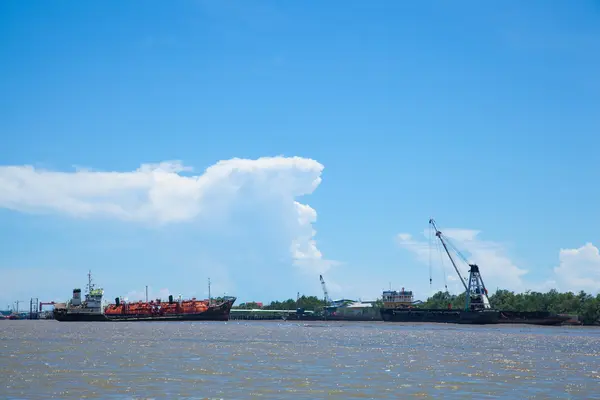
x,y
155,310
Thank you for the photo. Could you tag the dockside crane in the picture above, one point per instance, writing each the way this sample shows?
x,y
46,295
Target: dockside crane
x,y
325,292
475,291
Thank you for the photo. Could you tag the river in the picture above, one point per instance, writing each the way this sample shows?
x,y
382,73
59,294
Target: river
x,y
291,360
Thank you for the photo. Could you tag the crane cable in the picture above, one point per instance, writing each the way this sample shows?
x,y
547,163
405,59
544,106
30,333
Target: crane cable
x,y
430,277
438,247
449,243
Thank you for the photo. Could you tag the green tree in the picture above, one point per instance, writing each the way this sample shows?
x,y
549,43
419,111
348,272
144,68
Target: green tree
x,y
378,303
247,306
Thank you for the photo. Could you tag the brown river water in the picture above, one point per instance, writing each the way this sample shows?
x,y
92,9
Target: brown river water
x,y
291,360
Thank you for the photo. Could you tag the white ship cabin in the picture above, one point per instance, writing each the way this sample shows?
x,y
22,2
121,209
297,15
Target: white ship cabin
x,y
94,298
397,299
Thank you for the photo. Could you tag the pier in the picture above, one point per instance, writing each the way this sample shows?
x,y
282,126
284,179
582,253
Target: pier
x,y
35,310
258,314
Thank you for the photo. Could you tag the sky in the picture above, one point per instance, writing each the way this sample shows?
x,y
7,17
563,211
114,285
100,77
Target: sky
x,y
262,143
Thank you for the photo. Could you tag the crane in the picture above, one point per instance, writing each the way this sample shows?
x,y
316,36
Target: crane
x,y
325,293
475,291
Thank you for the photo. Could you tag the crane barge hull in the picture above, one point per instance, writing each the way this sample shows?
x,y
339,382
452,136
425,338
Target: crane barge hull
x,y
440,316
532,317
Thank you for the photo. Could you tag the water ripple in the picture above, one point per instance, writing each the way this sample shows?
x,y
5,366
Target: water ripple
x,y
274,360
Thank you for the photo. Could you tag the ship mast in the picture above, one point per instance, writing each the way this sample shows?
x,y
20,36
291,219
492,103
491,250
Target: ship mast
x,y
90,285
475,291
209,298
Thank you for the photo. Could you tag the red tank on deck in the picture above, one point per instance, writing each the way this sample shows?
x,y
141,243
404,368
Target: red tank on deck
x,y
172,310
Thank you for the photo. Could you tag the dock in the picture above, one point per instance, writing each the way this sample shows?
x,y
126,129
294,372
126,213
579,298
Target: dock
x,y
259,314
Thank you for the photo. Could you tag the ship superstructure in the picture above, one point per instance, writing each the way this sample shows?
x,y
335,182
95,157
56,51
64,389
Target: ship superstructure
x,y
397,299
90,309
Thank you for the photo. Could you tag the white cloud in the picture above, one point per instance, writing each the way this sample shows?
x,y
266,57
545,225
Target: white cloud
x,y
404,236
161,194
304,247
579,269
496,267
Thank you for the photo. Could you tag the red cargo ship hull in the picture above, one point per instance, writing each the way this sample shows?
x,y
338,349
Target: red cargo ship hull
x,y
187,310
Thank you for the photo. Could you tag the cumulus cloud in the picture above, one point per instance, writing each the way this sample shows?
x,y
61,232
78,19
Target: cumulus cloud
x,y
579,269
170,192
497,269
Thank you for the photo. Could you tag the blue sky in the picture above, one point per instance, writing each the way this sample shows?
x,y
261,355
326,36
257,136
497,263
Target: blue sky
x,y
482,116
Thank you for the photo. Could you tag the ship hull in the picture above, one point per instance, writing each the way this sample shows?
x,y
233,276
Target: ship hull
x,y
305,317
208,315
79,317
352,318
218,312
440,316
353,314
532,318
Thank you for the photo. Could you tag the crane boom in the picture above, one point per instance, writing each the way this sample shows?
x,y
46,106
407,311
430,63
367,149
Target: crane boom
x,y
439,235
325,293
475,292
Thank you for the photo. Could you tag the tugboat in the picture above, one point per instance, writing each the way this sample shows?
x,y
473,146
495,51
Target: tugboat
x,y
76,310
398,306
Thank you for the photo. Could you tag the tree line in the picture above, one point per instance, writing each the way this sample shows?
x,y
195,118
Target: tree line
x,y
309,303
